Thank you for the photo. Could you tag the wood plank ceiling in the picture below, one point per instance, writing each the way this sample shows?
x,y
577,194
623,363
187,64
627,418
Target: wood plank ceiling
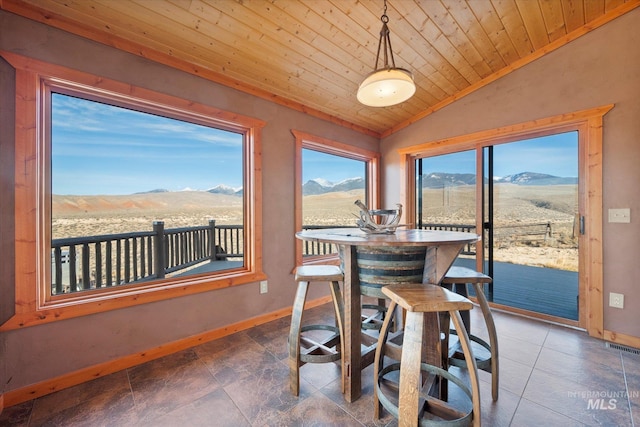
x,y
313,54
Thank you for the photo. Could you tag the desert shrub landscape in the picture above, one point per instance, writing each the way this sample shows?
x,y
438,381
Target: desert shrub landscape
x,y
515,206
75,216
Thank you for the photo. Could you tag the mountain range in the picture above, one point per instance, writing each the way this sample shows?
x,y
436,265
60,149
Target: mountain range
x,y
441,179
311,187
533,178
430,180
218,189
321,186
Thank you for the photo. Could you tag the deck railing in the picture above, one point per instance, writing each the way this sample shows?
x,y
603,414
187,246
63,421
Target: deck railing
x,y
89,262
310,248
507,235
470,248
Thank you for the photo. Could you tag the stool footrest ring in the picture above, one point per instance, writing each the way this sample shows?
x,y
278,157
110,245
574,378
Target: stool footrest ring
x,y
483,363
373,322
384,400
326,354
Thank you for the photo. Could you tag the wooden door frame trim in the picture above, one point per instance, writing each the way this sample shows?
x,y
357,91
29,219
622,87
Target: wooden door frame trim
x,y
589,125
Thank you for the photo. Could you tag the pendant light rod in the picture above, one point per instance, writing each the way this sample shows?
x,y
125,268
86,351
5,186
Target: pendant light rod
x,y
389,85
385,40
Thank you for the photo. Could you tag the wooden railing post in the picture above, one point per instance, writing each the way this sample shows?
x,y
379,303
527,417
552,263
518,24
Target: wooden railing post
x,y
158,249
73,279
86,277
212,239
57,257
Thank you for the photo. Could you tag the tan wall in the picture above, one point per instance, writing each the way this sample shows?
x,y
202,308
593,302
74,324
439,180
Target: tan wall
x,y
600,68
7,228
39,353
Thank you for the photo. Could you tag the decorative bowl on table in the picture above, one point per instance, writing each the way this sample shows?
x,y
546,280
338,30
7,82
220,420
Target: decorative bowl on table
x,y
378,221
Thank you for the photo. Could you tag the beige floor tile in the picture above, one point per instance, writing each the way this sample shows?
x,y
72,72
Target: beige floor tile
x,y
549,376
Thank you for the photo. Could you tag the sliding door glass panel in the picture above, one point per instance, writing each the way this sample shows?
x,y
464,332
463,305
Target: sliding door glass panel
x,y
532,212
446,196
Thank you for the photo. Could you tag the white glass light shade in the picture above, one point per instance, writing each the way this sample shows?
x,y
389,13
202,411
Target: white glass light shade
x,y
386,87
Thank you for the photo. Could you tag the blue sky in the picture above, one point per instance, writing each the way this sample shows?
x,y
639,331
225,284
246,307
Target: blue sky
x,y
100,149
553,155
329,167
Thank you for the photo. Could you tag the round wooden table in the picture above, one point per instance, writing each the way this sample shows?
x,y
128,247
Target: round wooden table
x,y
442,248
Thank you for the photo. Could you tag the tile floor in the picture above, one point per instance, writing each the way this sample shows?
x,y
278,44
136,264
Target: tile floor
x,y
550,375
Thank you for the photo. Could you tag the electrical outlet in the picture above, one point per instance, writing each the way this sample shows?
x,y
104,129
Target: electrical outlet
x,y
620,215
264,287
616,300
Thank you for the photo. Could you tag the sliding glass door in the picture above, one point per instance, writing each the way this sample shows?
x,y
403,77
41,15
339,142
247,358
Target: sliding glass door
x,y
531,224
529,212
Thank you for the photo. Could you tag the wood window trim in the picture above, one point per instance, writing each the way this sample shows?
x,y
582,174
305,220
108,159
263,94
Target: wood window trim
x,y
313,142
589,125
31,78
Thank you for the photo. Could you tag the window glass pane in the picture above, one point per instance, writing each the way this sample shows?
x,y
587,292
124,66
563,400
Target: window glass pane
x,y
138,197
331,185
535,222
535,201
446,190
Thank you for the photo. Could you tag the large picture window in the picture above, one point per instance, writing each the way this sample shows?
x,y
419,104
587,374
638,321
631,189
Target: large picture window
x,y
137,197
127,199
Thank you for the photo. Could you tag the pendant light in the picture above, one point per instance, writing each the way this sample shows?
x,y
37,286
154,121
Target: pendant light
x,y
388,85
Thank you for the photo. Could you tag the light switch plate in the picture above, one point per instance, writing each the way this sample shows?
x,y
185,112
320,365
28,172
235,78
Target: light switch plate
x,y
620,215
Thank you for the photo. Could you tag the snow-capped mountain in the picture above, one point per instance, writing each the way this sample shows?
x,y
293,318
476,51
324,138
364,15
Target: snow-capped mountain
x,y
321,186
225,189
442,179
157,190
533,178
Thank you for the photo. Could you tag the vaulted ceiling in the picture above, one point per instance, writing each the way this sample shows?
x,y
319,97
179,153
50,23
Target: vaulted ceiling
x,y
312,54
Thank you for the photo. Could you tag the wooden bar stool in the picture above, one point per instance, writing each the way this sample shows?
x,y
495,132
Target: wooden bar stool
x,y
487,354
415,400
302,348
